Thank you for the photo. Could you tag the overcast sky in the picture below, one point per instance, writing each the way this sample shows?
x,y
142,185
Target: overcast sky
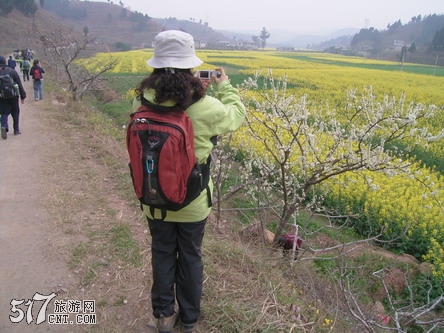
x,y
305,17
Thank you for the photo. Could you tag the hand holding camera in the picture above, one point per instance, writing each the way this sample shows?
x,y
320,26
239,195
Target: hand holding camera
x,y
217,75
208,74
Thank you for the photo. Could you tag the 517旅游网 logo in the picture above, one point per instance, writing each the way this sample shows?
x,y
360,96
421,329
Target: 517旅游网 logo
x,y
65,311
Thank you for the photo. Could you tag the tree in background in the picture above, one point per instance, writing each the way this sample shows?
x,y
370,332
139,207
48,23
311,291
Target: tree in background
x,y
65,9
61,50
438,40
367,39
403,54
264,36
6,6
256,40
27,7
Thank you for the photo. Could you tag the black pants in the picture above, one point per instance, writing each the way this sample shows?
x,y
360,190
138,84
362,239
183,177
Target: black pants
x,y
25,74
177,268
10,106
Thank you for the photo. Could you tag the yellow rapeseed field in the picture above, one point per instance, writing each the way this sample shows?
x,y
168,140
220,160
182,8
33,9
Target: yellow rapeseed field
x,y
325,79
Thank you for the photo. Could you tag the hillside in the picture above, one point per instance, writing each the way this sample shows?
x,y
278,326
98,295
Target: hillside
x,y
105,22
110,24
422,38
16,30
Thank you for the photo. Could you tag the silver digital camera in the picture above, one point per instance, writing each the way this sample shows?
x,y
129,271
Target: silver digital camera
x,y
208,74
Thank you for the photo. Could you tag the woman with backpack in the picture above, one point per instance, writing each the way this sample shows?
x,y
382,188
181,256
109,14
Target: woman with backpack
x,y
36,73
177,235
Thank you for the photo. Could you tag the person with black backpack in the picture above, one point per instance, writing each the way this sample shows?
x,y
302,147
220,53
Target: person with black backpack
x,y
25,69
171,91
11,89
36,72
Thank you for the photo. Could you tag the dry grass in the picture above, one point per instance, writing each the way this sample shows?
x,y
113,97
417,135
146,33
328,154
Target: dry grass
x,y
105,238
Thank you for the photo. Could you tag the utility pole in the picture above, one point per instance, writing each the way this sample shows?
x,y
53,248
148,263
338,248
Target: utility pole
x,y
436,63
403,54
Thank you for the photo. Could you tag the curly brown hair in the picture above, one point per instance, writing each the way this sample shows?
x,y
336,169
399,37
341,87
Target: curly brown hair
x,y
180,86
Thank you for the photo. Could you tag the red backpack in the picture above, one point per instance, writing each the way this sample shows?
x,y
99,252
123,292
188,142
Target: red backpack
x,y
164,171
36,74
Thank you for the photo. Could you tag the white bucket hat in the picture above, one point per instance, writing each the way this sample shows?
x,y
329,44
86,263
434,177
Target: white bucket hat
x,y
174,49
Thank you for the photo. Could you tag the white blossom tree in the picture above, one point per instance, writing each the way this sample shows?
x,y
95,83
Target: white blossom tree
x,y
61,49
293,148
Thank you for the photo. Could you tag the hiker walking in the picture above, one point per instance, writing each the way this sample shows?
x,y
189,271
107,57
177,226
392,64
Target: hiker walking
x,y
177,235
12,63
25,69
36,72
9,102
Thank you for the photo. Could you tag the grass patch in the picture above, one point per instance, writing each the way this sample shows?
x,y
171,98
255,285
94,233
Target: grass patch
x,y
247,211
78,254
118,111
125,247
89,277
124,83
120,301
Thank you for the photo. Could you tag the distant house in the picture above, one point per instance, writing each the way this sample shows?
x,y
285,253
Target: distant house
x,y
286,49
399,44
235,45
200,44
224,44
249,45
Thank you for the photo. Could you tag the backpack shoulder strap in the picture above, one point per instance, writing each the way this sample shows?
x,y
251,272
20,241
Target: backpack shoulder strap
x,y
159,108
7,71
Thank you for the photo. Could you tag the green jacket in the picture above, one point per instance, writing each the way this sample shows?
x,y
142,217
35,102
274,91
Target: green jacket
x,y
211,117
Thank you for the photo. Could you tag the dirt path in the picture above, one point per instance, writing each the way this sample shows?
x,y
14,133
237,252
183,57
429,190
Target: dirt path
x,y
28,262
66,197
